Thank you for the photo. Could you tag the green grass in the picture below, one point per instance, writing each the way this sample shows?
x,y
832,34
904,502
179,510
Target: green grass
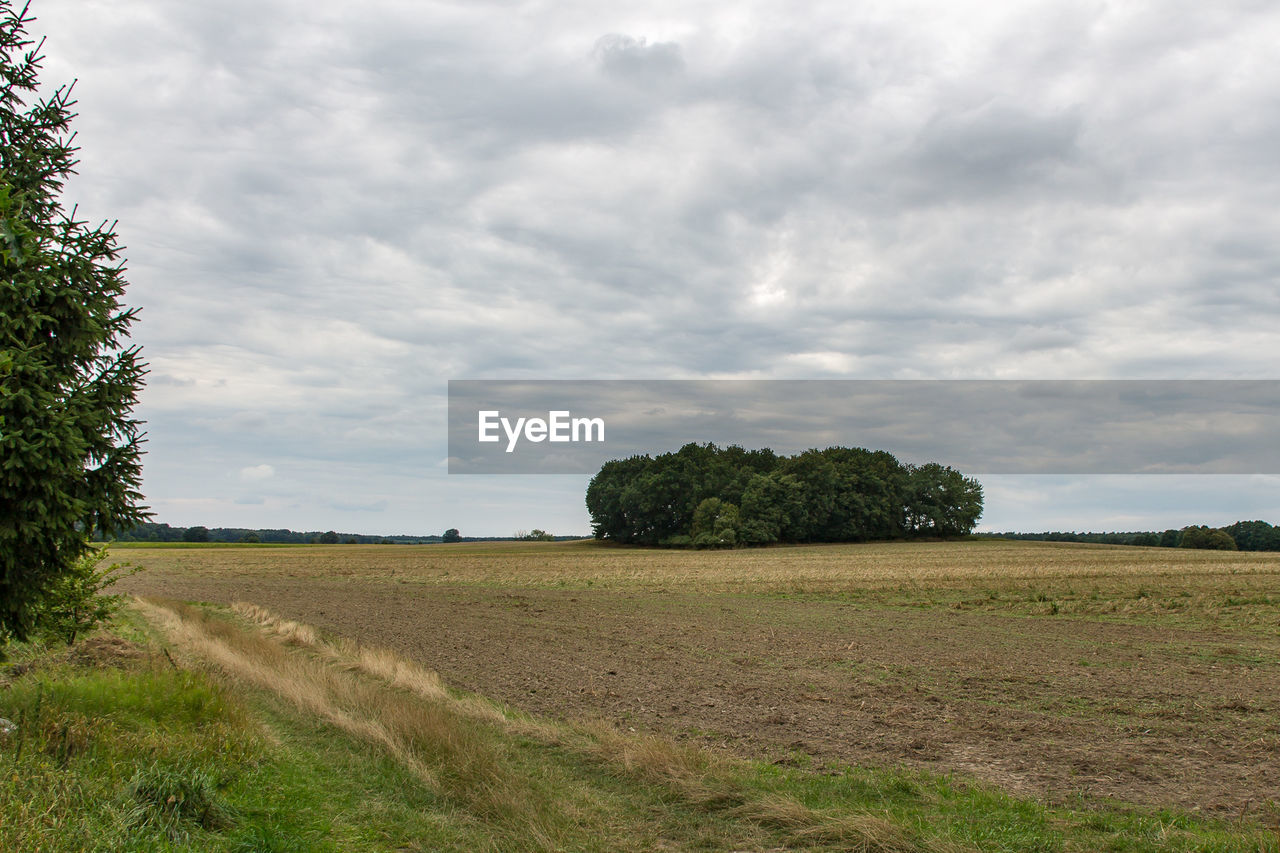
x,y
133,753
981,817
152,758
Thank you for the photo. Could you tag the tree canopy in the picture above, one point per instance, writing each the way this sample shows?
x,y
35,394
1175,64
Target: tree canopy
x,y
1254,535
709,496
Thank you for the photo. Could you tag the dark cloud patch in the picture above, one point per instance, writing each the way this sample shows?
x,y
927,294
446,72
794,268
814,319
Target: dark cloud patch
x,y
994,150
635,59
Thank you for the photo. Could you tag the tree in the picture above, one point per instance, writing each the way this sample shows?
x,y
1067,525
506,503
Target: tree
x,y
772,504
715,524
199,533
941,501
1200,536
452,535
70,456
329,537
1220,540
868,494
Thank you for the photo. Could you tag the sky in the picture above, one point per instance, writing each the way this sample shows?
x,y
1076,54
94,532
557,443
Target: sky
x,y
331,211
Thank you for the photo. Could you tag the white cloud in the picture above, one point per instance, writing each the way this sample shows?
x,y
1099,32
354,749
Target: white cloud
x,y
327,218
257,473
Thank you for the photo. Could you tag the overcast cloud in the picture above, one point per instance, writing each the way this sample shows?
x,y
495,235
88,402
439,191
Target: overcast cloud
x,y
330,212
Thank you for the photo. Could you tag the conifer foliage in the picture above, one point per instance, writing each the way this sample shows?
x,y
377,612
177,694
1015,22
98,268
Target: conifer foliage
x,y
70,456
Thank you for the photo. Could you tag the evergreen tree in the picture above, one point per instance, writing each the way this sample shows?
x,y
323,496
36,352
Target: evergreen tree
x,y
69,447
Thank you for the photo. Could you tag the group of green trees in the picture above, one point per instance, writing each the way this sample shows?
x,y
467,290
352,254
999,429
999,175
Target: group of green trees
x,y
1254,535
707,496
1241,536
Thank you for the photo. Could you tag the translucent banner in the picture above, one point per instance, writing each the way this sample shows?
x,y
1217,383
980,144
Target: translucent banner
x,y
977,426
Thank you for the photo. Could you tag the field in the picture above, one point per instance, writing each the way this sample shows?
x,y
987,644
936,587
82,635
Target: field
x,y
1071,674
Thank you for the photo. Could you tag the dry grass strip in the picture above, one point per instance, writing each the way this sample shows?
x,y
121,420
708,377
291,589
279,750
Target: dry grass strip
x,y
448,752
448,740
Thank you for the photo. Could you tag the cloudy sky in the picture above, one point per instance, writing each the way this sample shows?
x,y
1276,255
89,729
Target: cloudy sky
x,y
332,210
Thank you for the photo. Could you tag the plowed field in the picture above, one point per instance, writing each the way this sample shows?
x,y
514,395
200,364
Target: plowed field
x,y
1149,676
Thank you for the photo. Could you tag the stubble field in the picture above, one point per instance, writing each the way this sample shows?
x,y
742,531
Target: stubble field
x,y
1071,673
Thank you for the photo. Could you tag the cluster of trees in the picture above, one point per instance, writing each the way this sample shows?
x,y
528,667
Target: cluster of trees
x,y
708,496
1254,535
1241,536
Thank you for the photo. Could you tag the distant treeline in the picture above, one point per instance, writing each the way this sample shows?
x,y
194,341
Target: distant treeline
x,y
1241,536
151,532
707,496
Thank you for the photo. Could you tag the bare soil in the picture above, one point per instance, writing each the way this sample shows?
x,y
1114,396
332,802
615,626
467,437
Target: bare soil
x,y
1053,706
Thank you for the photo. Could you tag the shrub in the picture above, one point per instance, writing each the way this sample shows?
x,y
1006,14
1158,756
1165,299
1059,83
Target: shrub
x,y
75,602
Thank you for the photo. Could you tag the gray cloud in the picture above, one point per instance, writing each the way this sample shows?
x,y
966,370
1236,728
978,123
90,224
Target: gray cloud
x,y
329,217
